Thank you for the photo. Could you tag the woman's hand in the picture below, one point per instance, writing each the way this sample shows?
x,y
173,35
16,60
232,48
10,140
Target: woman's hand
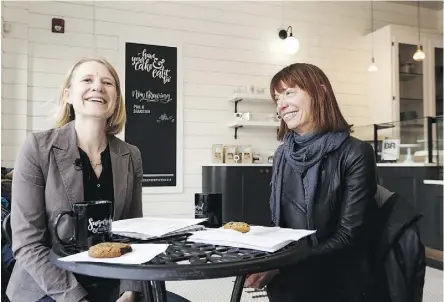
x,y
259,280
127,297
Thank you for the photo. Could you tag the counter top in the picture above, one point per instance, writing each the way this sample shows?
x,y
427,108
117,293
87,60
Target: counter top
x,y
269,165
237,165
406,165
434,182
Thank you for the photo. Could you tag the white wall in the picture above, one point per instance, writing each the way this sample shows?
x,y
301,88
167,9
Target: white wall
x,y
225,45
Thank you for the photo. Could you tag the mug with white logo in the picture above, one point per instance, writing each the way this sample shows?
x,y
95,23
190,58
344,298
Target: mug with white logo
x,y
92,223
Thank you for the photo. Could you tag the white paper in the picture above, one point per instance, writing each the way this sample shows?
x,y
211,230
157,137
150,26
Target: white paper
x,y
141,253
141,236
153,226
268,239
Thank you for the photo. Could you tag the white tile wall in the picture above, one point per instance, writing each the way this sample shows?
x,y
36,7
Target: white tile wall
x,y
225,45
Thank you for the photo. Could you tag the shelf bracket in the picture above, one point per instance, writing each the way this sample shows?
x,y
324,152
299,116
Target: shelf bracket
x,y
235,131
235,105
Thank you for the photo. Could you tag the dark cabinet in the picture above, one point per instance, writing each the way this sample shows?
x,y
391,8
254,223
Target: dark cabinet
x,y
245,192
255,184
431,223
409,183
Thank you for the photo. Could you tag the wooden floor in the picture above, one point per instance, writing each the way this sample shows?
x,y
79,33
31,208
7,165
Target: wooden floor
x,y
434,258
436,255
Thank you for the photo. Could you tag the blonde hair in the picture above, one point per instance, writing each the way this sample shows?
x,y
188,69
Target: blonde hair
x,y
116,121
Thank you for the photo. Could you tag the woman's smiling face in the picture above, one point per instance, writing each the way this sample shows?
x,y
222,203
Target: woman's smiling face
x,y
294,106
92,91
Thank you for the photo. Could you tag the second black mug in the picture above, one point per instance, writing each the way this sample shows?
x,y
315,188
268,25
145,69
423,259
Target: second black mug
x,y
92,223
209,205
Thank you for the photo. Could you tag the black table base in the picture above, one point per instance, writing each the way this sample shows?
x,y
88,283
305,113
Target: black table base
x,y
237,289
155,291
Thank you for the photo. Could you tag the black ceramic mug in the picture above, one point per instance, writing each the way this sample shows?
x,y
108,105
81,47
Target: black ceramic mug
x,y
209,205
92,223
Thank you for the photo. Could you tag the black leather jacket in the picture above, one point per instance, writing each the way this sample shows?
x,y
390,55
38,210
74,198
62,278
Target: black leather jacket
x,y
344,215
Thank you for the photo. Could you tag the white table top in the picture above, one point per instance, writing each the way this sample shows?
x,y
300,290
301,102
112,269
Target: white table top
x,y
434,182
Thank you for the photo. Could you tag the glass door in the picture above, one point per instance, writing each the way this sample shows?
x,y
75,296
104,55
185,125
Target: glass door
x,y
438,80
411,96
438,146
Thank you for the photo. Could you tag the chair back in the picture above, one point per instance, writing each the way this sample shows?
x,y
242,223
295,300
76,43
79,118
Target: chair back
x,y
6,229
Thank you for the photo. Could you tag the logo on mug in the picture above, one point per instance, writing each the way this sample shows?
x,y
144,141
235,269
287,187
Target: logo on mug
x,y
99,226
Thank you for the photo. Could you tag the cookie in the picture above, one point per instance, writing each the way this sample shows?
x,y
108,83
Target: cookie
x,y
109,250
238,226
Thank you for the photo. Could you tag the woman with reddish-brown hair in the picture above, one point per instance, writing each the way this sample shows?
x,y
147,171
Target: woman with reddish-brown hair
x,y
324,180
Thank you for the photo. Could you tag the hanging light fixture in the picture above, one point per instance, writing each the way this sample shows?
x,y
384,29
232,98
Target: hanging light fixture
x,y
372,67
419,54
291,44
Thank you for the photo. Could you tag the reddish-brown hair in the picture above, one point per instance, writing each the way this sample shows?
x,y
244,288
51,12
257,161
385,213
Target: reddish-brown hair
x,y
325,112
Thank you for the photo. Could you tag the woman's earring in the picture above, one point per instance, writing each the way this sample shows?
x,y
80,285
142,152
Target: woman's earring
x,y
72,114
110,124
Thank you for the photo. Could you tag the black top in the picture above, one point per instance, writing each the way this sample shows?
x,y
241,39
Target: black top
x,y
293,204
94,188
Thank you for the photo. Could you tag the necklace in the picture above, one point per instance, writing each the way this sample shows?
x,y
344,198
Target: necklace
x,y
95,165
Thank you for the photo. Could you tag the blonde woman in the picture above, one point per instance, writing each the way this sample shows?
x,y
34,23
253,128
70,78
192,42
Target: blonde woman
x,y
46,182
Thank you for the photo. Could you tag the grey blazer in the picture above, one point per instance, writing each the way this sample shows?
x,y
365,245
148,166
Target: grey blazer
x,y
45,183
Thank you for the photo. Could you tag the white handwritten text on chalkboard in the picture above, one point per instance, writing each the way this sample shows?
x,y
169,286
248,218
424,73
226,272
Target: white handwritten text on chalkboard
x,y
150,63
140,109
150,97
165,117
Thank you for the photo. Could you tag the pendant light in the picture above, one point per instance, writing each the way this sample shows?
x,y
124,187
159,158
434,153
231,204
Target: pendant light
x,y
419,54
372,67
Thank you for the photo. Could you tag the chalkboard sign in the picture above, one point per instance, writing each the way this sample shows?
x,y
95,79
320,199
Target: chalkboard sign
x,y
151,104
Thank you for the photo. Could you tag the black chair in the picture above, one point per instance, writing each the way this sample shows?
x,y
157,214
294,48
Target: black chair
x,y
7,266
6,229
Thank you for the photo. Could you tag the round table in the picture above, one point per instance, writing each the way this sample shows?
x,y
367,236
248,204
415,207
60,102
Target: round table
x,y
184,260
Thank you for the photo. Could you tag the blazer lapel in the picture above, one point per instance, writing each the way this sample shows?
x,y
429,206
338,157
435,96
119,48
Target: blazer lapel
x,y
66,152
120,166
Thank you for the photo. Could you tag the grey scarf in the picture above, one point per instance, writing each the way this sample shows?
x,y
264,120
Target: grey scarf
x,y
303,153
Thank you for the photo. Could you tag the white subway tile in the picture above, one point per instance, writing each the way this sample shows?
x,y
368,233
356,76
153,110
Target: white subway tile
x,y
14,46
14,107
14,76
17,61
10,122
14,91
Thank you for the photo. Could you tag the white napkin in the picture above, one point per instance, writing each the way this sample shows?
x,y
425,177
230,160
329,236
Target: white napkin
x,y
141,253
268,239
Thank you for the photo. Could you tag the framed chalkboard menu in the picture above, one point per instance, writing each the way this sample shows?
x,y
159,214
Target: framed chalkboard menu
x,y
151,101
